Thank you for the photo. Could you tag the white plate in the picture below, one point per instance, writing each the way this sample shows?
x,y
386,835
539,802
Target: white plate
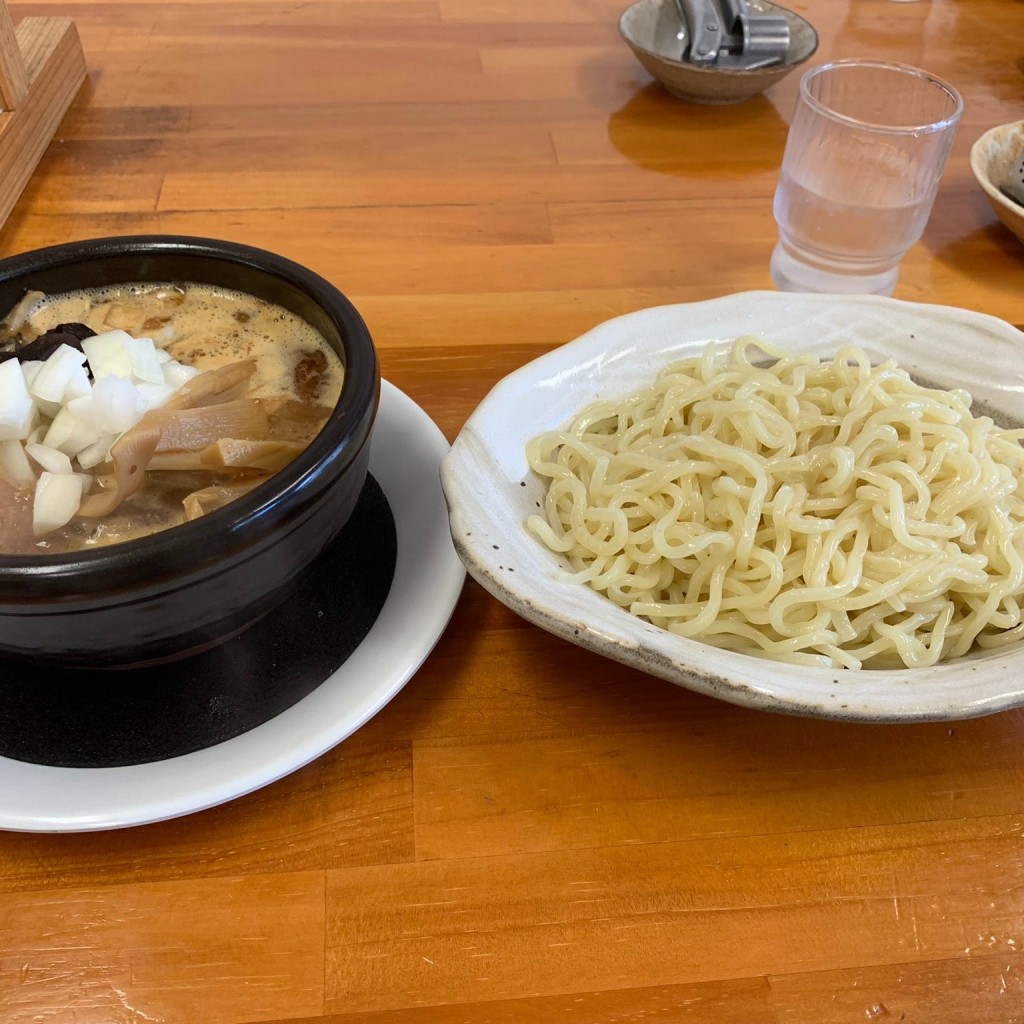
x,y
407,448
490,491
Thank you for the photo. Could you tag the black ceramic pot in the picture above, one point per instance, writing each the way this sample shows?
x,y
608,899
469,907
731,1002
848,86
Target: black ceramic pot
x,y
186,588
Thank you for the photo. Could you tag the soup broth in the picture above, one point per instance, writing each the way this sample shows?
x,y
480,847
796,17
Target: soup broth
x,y
297,375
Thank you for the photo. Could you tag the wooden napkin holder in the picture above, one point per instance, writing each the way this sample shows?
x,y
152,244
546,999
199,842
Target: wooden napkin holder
x,y
41,68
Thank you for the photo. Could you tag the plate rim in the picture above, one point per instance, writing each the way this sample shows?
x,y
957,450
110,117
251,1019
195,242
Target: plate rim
x,y
691,664
405,454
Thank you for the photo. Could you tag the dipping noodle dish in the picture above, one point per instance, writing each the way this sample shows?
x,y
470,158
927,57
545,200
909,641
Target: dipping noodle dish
x,y
816,511
799,503
127,410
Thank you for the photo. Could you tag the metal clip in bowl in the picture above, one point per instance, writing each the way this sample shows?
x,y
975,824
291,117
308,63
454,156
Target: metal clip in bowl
x,y
731,36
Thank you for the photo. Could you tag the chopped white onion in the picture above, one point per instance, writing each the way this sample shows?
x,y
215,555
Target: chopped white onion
x,y
98,453
145,365
79,385
164,337
16,406
117,404
81,418
46,409
109,354
156,395
29,369
83,409
178,374
57,498
55,374
52,460
69,433
14,465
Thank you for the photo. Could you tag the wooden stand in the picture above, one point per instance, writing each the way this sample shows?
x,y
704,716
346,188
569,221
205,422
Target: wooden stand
x,y
41,68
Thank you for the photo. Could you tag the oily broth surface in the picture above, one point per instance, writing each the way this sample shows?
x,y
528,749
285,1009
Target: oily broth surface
x,y
211,327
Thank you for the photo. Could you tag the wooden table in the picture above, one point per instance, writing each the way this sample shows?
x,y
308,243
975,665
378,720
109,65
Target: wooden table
x,y
528,832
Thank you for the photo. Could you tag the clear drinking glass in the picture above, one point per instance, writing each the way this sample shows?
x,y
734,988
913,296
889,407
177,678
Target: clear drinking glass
x,y
867,146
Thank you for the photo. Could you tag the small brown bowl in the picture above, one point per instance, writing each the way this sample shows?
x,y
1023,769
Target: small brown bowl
x,y
651,30
993,158
193,586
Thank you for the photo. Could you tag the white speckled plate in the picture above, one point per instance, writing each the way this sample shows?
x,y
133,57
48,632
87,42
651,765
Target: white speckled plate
x,y
490,491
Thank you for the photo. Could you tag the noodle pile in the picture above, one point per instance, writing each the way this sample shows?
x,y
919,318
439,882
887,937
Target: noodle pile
x,y
822,513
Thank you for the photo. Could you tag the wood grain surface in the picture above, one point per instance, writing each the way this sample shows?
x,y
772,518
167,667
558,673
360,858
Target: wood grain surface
x,y
527,833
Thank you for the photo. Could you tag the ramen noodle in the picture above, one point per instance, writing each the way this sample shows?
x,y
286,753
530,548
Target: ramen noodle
x,y
827,513
131,409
